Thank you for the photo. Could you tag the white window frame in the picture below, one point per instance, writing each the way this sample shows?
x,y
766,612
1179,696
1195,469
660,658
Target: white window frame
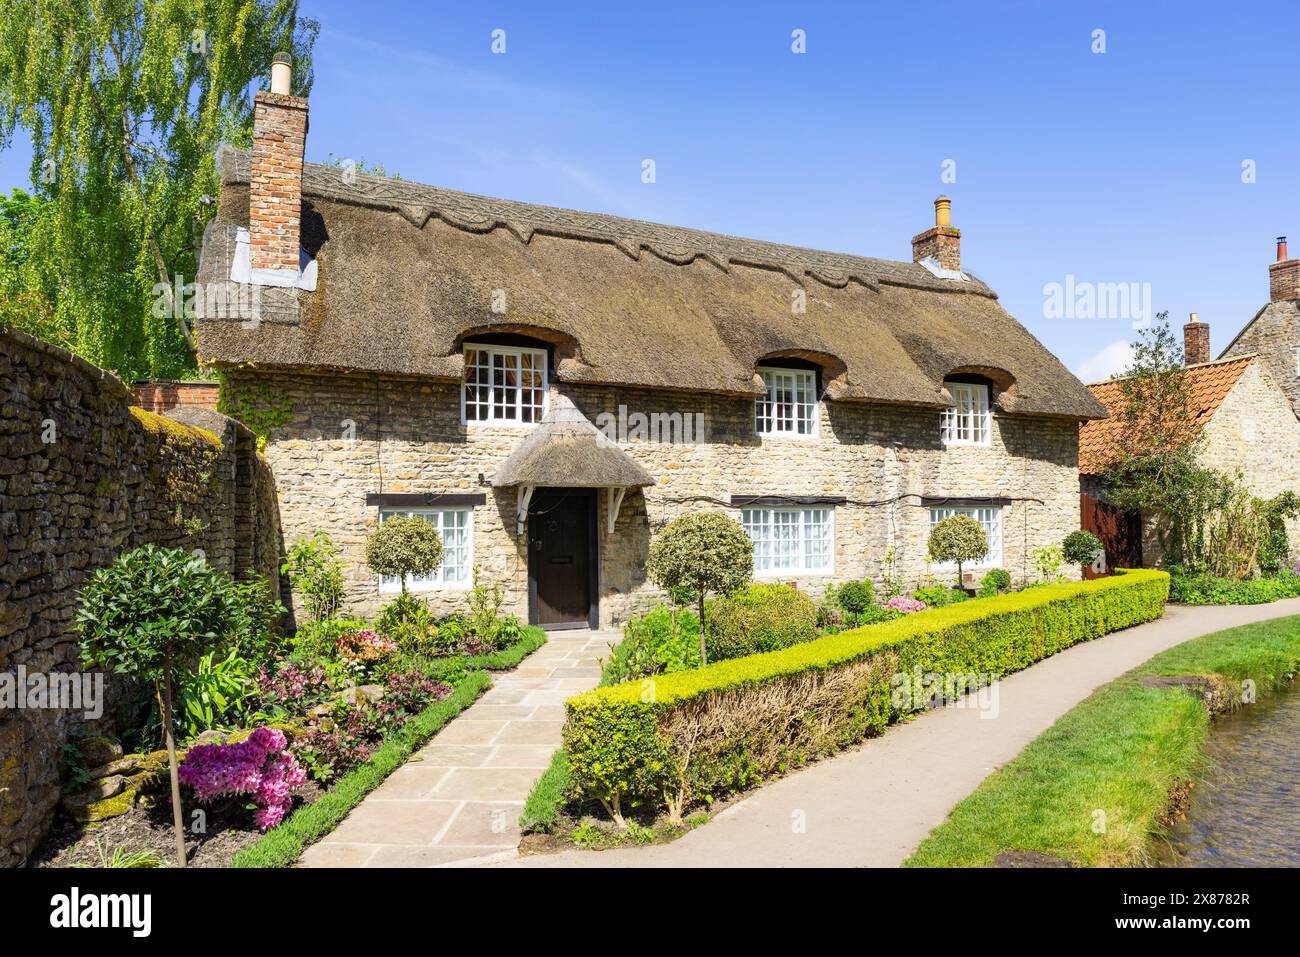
x,y
969,420
496,410
1297,361
806,404
990,519
438,578
761,524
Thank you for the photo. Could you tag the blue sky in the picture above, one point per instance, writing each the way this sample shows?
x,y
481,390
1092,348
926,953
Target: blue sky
x,y
1117,167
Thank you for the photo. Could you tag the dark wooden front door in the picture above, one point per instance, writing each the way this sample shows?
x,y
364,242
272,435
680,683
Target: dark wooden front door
x,y
561,557
1120,532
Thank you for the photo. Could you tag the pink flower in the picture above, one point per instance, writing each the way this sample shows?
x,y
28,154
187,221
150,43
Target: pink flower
x,y
259,766
905,605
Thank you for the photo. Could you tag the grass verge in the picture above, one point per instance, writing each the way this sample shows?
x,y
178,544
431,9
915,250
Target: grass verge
x,y
283,845
1095,788
549,793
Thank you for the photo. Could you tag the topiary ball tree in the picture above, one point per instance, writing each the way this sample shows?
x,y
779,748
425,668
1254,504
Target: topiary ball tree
x,y
702,553
404,545
1081,548
147,615
960,539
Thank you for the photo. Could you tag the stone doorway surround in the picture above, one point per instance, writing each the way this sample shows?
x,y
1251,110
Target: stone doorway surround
x,y
458,799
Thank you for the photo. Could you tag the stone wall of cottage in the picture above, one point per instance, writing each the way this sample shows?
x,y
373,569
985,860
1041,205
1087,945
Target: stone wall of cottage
x,y
84,477
1274,336
350,435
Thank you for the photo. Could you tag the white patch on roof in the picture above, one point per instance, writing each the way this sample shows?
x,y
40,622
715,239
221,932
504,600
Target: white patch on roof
x,y
241,269
932,265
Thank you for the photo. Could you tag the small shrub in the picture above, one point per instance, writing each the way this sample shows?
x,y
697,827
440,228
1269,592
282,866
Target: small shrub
x,y
664,640
316,574
996,582
702,553
317,639
406,695
1047,561
337,745
291,687
907,606
759,618
1205,589
960,539
260,766
404,545
1080,548
856,597
364,649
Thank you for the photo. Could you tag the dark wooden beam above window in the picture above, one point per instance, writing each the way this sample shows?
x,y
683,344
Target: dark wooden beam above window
x,y
746,500
959,501
424,499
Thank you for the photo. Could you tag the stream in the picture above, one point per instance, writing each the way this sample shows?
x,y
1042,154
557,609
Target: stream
x,y
1245,809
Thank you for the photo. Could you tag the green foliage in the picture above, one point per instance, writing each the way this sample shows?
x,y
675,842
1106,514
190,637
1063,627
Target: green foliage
x,y
1123,749
707,730
856,597
1080,548
548,796
1274,547
937,596
996,582
262,408
403,545
758,618
316,574
216,695
1047,561
666,639
282,846
120,857
702,553
124,105
319,639
960,539
154,609
1205,589
257,636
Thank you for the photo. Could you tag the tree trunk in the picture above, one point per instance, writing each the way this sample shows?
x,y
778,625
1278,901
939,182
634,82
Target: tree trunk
x,y
704,654
170,742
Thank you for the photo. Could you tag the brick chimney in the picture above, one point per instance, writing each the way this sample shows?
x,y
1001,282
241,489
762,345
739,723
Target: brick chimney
x,y
275,183
941,242
1196,341
1283,275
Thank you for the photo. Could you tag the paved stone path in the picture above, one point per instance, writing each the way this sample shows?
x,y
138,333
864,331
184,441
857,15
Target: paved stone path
x,y
872,806
459,797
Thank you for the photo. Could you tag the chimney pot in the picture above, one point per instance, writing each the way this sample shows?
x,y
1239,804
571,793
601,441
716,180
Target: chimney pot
x,y
941,242
281,74
1283,275
1196,341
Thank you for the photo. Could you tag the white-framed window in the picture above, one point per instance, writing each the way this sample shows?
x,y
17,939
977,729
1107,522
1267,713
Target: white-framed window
x,y
790,405
990,519
966,422
456,529
504,385
791,540
1297,361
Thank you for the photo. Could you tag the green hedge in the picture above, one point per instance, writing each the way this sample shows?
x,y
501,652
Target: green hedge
x,y
283,845
680,737
1209,590
758,618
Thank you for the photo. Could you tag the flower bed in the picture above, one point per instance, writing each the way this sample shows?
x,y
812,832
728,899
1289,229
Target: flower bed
x,y
670,740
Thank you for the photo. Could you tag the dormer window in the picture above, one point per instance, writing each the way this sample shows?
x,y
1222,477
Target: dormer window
x,y
504,385
789,407
966,422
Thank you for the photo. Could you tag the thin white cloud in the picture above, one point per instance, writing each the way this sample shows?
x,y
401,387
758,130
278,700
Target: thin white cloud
x,y
1111,360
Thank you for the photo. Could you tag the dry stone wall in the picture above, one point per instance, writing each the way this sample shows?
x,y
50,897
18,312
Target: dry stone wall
x,y
83,477
350,435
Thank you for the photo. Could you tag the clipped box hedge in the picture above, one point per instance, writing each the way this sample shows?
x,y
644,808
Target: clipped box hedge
x,y
667,741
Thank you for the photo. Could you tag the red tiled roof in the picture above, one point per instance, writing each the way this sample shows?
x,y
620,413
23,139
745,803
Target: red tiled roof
x,y
1208,385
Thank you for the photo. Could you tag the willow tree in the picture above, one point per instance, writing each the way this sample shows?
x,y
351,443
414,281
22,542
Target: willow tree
x,y
125,102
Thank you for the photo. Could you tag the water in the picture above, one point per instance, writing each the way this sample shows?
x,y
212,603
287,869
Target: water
x,y
1245,810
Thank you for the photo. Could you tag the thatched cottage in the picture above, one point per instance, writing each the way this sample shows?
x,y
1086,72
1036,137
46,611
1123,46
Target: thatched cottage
x,y
550,387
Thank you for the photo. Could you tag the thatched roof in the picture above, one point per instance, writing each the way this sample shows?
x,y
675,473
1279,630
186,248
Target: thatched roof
x,y
406,271
566,451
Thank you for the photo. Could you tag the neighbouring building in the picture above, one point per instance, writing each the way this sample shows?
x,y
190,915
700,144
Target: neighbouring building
x,y
1248,428
1274,333
551,387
